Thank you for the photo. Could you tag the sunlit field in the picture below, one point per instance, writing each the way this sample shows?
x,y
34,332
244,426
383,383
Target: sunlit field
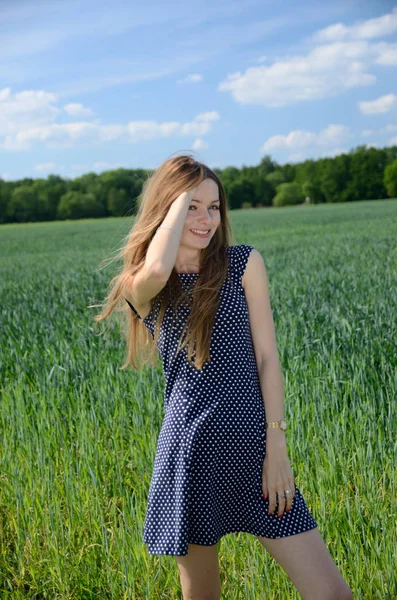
x,y
78,435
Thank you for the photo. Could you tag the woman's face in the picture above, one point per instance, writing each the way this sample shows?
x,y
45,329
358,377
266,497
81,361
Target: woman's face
x,y
203,215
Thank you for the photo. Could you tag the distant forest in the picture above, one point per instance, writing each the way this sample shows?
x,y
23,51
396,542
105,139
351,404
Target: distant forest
x,y
361,174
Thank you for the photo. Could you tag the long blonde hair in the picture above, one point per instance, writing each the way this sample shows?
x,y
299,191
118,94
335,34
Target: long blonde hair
x,y
162,187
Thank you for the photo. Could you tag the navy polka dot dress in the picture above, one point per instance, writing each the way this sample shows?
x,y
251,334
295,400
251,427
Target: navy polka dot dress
x,y
207,474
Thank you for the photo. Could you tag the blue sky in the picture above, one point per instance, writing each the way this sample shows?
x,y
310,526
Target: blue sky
x,y
90,86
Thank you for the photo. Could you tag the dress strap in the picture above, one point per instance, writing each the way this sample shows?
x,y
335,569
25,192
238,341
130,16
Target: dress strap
x,y
133,309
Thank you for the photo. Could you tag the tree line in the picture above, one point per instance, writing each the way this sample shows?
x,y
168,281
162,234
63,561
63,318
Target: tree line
x,y
361,174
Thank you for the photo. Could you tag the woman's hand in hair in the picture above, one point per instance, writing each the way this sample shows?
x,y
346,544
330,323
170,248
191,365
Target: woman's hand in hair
x,y
188,194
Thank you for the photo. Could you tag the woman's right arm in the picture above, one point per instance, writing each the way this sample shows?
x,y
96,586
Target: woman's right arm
x,y
160,255
163,248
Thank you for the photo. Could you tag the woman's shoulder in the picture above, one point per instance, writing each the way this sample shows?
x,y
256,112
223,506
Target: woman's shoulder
x,y
239,250
238,257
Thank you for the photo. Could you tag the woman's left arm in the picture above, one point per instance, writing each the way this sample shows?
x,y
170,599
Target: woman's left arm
x,y
276,474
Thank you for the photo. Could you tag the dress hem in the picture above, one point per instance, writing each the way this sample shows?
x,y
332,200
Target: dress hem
x,y
271,537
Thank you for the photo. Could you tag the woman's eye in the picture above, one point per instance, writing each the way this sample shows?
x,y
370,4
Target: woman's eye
x,y
214,206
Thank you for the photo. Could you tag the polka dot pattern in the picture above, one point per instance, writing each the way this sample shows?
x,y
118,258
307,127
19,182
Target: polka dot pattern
x,y
207,474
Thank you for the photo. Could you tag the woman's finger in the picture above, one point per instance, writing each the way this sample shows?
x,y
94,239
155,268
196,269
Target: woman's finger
x,y
290,496
281,503
272,501
264,487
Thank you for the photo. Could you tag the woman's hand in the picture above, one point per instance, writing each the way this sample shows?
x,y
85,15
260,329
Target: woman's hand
x,y
277,477
187,195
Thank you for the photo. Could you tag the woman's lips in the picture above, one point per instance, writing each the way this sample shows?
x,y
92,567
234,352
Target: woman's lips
x,y
201,234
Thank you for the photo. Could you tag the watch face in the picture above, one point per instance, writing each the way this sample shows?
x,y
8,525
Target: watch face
x,y
283,425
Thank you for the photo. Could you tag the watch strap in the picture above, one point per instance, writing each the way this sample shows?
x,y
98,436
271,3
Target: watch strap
x,y
275,424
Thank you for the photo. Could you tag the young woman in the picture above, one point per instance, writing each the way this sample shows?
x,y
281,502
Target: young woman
x,y
221,464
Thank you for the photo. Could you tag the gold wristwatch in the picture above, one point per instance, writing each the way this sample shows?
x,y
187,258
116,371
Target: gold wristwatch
x,y
274,424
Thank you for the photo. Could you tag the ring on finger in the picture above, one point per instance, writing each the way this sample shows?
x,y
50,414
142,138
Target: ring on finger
x,y
287,491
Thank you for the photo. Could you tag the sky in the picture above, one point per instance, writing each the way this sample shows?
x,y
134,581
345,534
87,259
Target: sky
x,y
90,86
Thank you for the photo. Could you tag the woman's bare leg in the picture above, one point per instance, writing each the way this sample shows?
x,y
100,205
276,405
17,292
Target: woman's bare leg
x,y
199,573
307,562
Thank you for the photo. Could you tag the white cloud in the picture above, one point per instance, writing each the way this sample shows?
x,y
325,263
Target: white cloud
x,y
341,61
77,110
382,104
313,153
331,135
192,78
26,109
390,128
199,144
361,30
387,130
6,177
45,166
386,54
38,128
325,71
296,157
295,139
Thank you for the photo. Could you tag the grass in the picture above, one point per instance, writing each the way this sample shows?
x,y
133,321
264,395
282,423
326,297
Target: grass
x,y
78,436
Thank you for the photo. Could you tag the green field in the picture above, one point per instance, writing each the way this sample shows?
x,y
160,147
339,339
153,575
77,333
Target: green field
x,y
78,435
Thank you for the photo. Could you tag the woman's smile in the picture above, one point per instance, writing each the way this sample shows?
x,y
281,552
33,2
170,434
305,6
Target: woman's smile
x,y
204,233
